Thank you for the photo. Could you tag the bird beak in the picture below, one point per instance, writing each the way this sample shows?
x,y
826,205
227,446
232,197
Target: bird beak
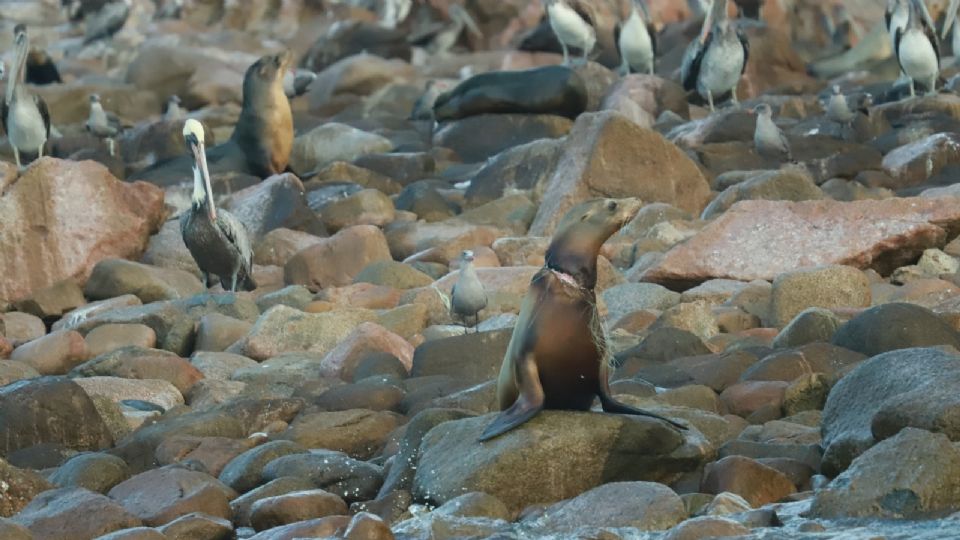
x,y
200,158
470,23
951,17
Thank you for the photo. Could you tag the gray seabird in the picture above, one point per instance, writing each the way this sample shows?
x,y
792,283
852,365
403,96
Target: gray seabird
x,y
468,296
918,49
25,116
713,63
439,39
768,139
217,240
173,110
99,125
106,21
636,40
573,27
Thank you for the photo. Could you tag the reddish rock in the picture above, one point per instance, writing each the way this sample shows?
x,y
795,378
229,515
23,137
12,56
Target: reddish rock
x,y
745,398
87,515
110,337
53,354
367,338
279,245
162,495
439,242
763,239
22,328
20,487
213,452
642,98
607,155
336,261
363,295
141,363
753,481
293,507
60,218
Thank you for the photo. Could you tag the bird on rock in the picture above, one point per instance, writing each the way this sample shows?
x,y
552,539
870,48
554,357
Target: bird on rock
x,y
713,63
468,296
768,139
99,125
918,49
218,241
636,40
25,116
573,27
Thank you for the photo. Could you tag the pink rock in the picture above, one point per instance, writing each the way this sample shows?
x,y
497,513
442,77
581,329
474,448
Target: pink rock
x,y
642,97
62,217
367,338
514,280
363,295
279,245
763,239
335,261
54,354
745,398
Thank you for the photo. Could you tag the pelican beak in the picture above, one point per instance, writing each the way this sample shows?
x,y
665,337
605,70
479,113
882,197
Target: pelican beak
x,y
951,17
472,25
200,159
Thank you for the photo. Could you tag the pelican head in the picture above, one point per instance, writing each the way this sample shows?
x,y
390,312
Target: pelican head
x,y
951,17
21,49
467,255
641,7
202,191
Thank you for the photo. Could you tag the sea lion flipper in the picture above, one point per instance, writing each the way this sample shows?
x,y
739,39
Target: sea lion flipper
x,y
528,403
611,405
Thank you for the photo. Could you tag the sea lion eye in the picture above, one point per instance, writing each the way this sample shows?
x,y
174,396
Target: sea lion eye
x,y
611,205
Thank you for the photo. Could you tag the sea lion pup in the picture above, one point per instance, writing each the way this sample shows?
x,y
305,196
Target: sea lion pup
x,y
557,357
264,131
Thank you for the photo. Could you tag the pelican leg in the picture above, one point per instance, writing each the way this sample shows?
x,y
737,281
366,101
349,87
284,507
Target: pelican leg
x,y
933,86
111,146
624,68
16,156
733,97
710,100
40,152
913,91
566,54
585,53
233,281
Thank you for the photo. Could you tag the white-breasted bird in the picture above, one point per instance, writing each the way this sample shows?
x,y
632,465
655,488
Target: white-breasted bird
x,y
25,117
173,110
636,40
713,63
218,242
99,125
468,296
768,140
573,27
918,49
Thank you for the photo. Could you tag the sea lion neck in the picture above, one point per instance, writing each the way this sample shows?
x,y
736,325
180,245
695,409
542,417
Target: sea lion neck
x,y
574,252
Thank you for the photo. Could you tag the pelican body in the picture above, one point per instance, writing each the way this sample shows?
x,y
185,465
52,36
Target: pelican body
x,y
768,139
468,296
573,28
217,241
918,49
636,41
25,116
713,63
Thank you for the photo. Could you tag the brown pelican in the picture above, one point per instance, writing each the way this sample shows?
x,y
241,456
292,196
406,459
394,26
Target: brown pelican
x,y
468,297
573,26
918,49
440,39
99,125
25,116
106,21
217,240
768,140
713,63
636,40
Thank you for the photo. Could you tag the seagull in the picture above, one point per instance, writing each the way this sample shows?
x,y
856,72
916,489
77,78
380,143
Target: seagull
x,y
218,242
636,41
98,124
25,116
468,296
918,49
713,63
768,139
573,27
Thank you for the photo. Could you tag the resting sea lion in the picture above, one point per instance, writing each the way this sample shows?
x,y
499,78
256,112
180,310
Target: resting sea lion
x,y
557,357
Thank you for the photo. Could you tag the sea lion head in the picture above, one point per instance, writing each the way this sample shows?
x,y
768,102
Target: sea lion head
x,y
582,232
266,74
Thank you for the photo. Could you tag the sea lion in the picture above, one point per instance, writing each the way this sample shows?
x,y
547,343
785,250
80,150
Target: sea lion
x,y
557,356
264,131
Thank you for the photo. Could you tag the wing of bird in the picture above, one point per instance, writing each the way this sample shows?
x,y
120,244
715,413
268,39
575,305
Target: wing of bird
x,y
896,46
44,113
4,109
931,34
746,49
236,233
692,57
652,30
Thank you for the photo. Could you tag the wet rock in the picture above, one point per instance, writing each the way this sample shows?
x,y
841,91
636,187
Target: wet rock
x,y
53,354
472,357
333,142
141,363
155,391
646,506
315,528
886,481
895,326
243,473
589,446
520,167
53,301
277,202
753,481
330,471
885,394
110,337
293,507
337,261
50,411
85,514
358,432
477,138
96,472
197,526
242,505
38,207
283,329
14,531
116,277
21,487
789,235
162,495
706,527
597,164
809,326
824,287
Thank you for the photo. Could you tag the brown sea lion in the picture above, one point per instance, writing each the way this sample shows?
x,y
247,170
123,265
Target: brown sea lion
x,y
264,131
557,357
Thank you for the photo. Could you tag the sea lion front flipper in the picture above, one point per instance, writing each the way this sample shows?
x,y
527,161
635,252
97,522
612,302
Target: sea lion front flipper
x,y
528,403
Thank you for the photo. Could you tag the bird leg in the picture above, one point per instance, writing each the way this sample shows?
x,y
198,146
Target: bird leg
x,y
233,281
933,86
110,146
624,68
16,156
710,100
585,53
566,54
40,152
733,97
913,92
